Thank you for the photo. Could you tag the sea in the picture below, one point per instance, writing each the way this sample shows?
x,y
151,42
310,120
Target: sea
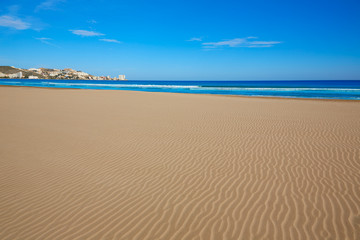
x,y
324,89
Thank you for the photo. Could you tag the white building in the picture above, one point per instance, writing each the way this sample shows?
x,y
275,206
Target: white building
x,y
82,74
55,73
16,75
122,77
33,77
35,70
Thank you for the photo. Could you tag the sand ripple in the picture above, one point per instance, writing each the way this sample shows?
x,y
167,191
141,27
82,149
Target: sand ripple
x,y
124,165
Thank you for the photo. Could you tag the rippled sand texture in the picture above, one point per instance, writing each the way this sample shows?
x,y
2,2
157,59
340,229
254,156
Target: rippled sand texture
x,y
84,164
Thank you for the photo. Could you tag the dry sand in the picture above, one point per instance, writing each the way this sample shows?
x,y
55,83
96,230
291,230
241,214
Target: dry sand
x,y
93,164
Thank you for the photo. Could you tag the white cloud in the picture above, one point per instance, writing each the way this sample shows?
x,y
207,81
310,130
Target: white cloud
x,y
48,5
13,22
86,33
46,41
264,42
240,42
110,40
194,39
43,39
231,43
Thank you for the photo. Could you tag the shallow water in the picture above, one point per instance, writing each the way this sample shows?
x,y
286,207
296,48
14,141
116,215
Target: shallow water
x,y
339,89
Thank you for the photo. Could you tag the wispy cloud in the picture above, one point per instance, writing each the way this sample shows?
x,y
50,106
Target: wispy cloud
x,y
86,33
92,21
195,39
43,39
110,40
48,5
12,19
240,42
46,41
14,22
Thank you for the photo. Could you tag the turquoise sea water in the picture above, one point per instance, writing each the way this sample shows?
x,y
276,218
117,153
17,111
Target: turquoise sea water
x,y
289,89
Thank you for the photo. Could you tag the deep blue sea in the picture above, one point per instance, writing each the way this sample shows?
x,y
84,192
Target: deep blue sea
x,y
342,89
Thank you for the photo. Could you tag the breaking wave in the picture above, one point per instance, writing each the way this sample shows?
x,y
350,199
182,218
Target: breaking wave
x,y
289,90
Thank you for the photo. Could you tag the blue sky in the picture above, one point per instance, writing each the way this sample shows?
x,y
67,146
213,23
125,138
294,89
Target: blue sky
x,y
185,40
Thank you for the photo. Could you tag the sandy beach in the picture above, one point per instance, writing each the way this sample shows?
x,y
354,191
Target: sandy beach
x,y
97,164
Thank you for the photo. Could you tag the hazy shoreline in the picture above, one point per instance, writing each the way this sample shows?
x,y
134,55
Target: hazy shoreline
x,y
204,94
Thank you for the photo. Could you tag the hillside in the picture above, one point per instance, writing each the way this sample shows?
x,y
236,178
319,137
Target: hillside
x,y
9,70
26,73
48,73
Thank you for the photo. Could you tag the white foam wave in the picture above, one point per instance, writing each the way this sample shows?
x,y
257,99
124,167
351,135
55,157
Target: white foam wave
x,y
121,85
10,82
281,89
197,87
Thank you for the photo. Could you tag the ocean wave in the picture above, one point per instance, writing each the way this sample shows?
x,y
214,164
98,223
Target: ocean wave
x,y
323,92
10,82
122,85
197,87
281,89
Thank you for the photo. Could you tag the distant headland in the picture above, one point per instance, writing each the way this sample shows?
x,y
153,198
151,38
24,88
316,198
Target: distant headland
x,y
48,73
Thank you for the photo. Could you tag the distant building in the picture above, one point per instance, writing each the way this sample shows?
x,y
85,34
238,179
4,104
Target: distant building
x,y
69,70
53,74
49,73
82,74
122,77
16,75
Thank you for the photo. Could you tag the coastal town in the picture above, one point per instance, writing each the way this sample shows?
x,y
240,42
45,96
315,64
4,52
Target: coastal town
x,y
48,73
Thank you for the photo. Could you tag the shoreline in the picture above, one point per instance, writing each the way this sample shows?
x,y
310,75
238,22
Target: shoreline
x,y
205,94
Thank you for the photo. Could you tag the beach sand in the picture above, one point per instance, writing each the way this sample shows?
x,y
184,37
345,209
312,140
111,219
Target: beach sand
x,y
96,164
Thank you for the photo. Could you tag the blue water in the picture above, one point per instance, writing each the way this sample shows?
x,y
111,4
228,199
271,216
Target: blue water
x,y
288,89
